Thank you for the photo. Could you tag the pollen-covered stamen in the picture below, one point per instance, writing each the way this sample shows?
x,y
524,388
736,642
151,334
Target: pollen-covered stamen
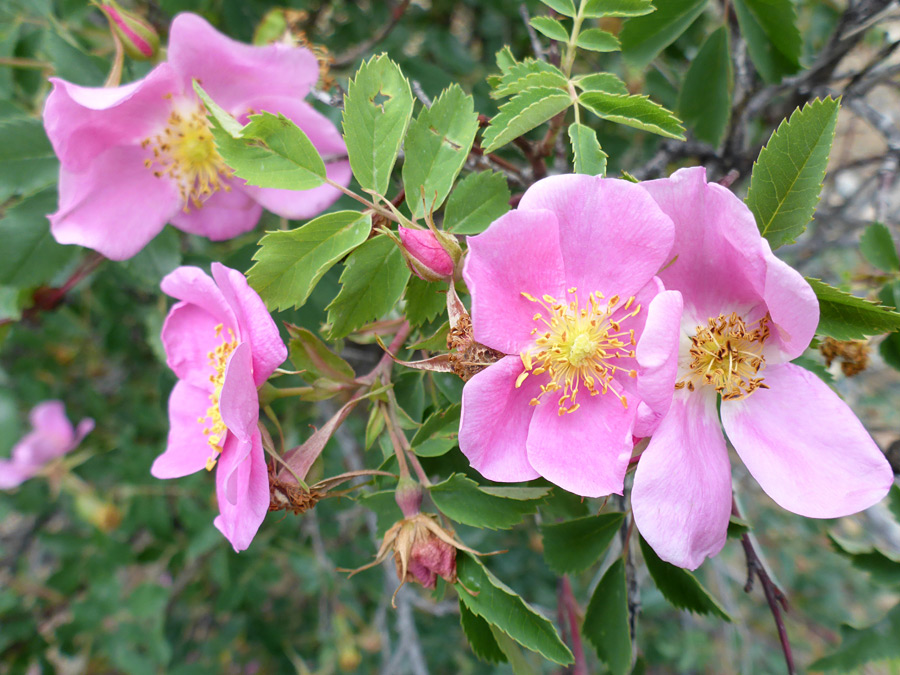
x,y
579,347
213,426
727,355
185,152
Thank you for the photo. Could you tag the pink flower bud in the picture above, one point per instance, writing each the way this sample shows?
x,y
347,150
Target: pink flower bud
x,y
425,255
138,37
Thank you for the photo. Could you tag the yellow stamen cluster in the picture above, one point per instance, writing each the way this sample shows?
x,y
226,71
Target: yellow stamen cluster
x,y
579,346
727,355
213,426
185,152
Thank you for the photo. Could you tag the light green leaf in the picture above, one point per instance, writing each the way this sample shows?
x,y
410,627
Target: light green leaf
x,y
704,102
436,148
438,433
598,40
463,500
574,545
522,113
505,58
773,41
523,76
226,122
787,177
633,111
680,587
860,646
846,317
478,633
606,620
372,282
565,7
478,200
295,165
646,36
552,28
500,606
601,82
289,263
377,108
309,354
589,158
878,248
599,8
518,660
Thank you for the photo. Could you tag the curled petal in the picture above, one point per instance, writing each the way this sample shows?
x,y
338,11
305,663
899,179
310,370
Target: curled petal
x,y
192,285
242,488
657,354
239,402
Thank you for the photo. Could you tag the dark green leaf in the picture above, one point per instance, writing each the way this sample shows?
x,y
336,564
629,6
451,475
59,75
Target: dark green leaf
x,y
424,300
522,113
606,620
309,354
478,633
488,597
463,500
599,8
646,36
436,148
633,111
589,158
704,102
478,200
289,263
607,82
894,502
878,248
846,317
518,660
882,567
575,545
27,161
598,40
737,527
680,587
552,28
862,645
770,29
787,177
156,259
373,280
890,350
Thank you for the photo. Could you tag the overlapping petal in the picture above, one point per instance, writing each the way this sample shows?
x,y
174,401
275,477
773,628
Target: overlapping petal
x,y
187,450
242,490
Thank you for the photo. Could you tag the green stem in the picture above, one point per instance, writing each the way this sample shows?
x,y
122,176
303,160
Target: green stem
x,y
362,200
570,45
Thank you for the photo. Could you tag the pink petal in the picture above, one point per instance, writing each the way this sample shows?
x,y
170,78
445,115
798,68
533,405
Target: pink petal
x,y
805,447
239,402
242,488
49,419
84,427
494,425
224,215
657,354
188,335
84,122
115,206
254,322
13,474
681,498
794,308
612,235
518,253
187,449
193,285
233,73
587,451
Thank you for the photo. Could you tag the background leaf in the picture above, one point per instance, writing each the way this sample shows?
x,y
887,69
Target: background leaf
x,y
846,317
461,499
600,8
644,37
606,620
478,200
878,248
575,545
704,102
859,646
773,40
478,633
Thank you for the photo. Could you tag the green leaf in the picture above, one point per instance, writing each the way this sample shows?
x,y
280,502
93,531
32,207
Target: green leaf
x,y
27,160
894,502
607,82
438,434
518,660
478,633
737,527
289,263
633,111
527,74
787,177
552,28
878,248
680,587
575,545
308,353
377,109
704,102
424,300
373,280
890,350
646,36
773,41
500,606
599,8
565,7
598,40
296,164
522,113
463,500
478,200
859,646
606,620
226,122
882,567
589,158
846,317
29,255
156,259
436,148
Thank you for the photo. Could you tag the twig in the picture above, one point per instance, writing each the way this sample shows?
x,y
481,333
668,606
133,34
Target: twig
x,y
532,34
420,93
352,54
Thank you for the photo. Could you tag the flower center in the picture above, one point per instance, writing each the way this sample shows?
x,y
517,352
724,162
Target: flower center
x,y
185,152
213,426
727,355
579,346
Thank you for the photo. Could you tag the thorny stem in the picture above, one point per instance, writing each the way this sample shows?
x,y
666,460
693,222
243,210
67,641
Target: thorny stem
x,y
774,596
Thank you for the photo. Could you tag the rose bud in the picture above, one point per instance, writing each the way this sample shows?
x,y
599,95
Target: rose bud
x,y
138,37
425,255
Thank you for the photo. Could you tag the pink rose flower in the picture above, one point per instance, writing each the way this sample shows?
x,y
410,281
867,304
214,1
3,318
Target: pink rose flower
x,y
222,344
52,437
746,316
565,286
138,156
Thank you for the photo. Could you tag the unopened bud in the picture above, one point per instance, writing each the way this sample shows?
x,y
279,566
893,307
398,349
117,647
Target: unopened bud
x,y
408,497
138,37
425,255
104,516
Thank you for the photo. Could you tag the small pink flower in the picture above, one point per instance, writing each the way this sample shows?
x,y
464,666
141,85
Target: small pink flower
x,y
746,316
425,256
138,156
222,344
564,285
52,437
